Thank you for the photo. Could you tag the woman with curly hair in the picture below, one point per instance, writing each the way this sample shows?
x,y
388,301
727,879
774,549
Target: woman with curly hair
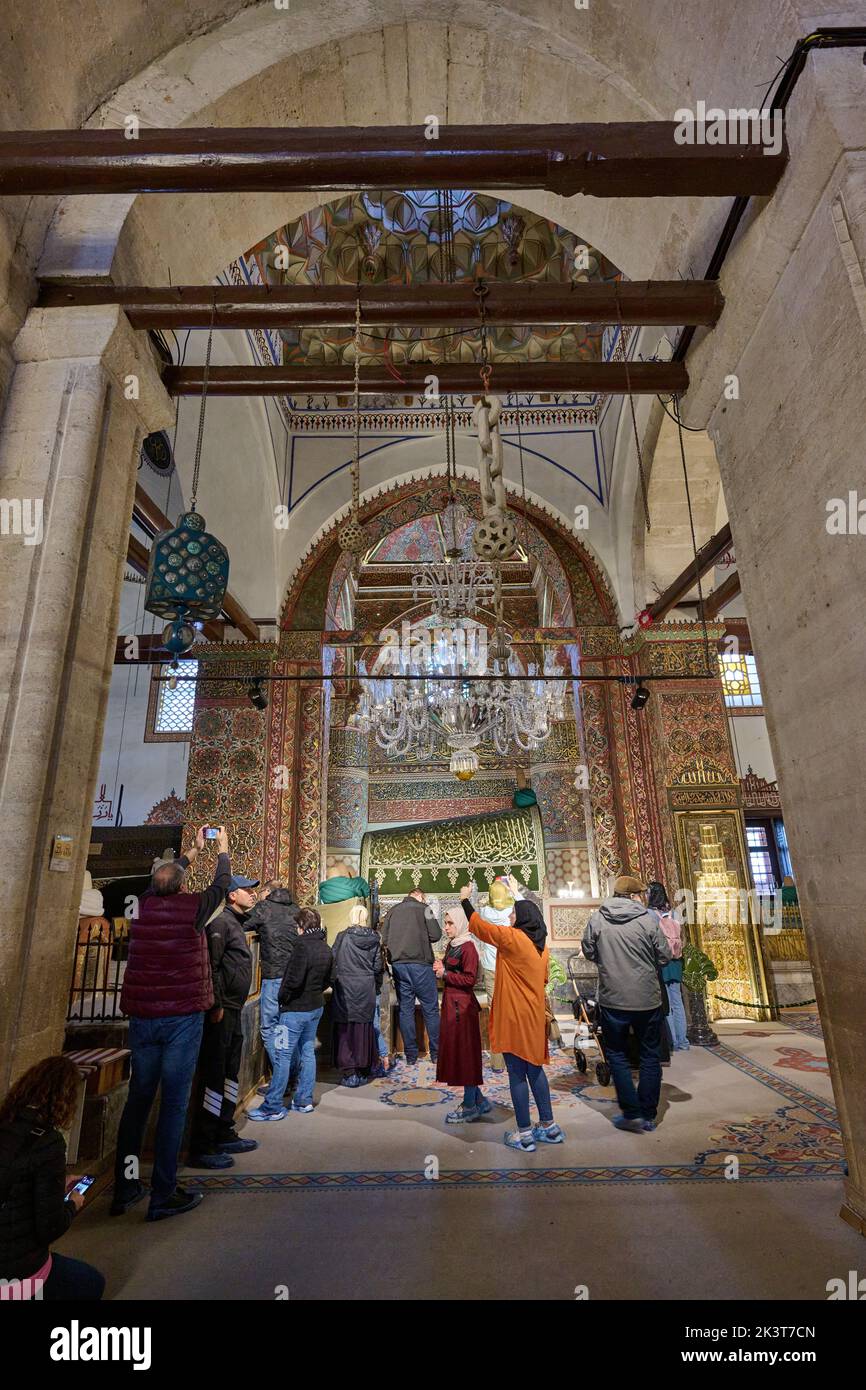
x,y
35,1209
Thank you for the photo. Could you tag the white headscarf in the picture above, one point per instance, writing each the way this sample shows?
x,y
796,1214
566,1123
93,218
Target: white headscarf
x,y
92,904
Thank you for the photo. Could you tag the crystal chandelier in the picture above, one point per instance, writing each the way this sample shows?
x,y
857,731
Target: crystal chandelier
x,y
454,588
432,691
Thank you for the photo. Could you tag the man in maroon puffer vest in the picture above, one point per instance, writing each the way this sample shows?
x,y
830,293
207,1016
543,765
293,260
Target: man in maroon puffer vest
x,y
167,991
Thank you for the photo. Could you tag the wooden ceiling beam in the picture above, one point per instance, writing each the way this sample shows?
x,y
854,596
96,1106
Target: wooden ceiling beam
x,y
454,378
688,578
628,159
662,303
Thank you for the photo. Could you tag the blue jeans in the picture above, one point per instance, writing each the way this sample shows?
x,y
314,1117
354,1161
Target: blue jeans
x,y
417,981
647,1024
164,1056
677,1016
471,1097
522,1075
269,1014
377,1028
295,1032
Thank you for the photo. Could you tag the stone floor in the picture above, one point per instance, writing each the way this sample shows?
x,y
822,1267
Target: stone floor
x,y
735,1195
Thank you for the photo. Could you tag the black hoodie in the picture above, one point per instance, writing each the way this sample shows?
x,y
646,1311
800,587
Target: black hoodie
x,y
275,919
308,973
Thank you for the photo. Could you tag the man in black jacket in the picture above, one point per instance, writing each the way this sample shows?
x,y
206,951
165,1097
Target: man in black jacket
x,y
302,1002
275,918
408,932
214,1137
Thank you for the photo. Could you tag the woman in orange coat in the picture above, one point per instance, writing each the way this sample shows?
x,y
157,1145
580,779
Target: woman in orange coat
x,y
518,1026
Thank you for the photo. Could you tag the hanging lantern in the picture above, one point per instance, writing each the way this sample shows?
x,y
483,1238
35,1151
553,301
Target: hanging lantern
x,y
188,571
186,580
464,765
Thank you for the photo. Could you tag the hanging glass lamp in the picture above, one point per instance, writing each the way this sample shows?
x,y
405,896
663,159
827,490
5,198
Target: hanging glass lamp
x,y
188,572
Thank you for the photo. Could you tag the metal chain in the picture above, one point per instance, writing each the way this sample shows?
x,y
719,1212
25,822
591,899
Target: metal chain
x,y
482,290
723,998
640,467
197,465
356,460
676,405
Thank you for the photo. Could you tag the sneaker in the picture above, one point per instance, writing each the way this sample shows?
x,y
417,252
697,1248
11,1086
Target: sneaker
x,y
121,1205
216,1160
548,1134
515,1140
238,1146
261,1114
177,1204
378,1072
647,1126
303,1109
351,1081
634,1125
484,1106
462,1115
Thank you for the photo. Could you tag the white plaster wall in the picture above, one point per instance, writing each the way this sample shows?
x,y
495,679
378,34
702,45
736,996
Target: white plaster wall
x,y
421,456
751,744
147,771
243,455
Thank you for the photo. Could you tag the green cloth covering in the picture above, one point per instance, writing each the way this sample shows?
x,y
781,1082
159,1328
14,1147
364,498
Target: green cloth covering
x,y
525,796
789,895
337,890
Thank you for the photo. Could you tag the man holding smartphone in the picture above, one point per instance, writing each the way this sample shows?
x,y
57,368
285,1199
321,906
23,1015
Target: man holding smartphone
x,y
167,990
214,1138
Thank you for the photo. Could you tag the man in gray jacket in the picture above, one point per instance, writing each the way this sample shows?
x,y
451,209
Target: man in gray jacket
x,y
627,944
408,932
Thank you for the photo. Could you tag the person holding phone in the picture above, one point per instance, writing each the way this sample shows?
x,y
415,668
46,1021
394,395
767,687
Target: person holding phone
x,y
167,990
35,1208
214,1139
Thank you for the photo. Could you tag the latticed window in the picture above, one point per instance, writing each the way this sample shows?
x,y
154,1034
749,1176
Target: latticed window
x,y
169,713
740,681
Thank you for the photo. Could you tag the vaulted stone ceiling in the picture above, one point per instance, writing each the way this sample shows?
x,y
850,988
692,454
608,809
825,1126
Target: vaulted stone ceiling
x,y
400,237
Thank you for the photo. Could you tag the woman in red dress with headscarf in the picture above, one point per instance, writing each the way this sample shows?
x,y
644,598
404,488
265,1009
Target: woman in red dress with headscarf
x,y
459,1060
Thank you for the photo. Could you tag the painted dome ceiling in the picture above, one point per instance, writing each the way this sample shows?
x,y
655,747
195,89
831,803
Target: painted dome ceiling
x,y
401,238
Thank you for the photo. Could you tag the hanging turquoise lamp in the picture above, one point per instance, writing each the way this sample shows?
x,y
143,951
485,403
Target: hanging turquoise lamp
x,y
188,571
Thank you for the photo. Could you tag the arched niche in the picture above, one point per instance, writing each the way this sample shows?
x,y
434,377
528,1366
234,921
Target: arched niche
x,y
306,606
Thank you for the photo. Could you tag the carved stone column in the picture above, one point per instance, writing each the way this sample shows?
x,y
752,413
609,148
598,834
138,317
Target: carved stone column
x,y
84,391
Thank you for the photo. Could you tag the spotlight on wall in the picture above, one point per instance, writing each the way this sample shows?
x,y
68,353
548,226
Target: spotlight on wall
x,y
640,697
257,694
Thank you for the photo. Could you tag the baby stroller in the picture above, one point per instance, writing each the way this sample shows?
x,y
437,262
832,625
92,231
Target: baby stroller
x,y
588,1038
586,1011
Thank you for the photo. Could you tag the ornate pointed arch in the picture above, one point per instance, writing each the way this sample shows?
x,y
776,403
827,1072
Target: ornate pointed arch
x,y
308,603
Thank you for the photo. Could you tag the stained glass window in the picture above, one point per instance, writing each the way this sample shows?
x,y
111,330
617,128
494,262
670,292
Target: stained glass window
x,y
173,709
740,680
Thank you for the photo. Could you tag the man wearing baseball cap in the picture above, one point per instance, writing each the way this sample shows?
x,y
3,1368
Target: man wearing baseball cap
x,y
624,939
214,1137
